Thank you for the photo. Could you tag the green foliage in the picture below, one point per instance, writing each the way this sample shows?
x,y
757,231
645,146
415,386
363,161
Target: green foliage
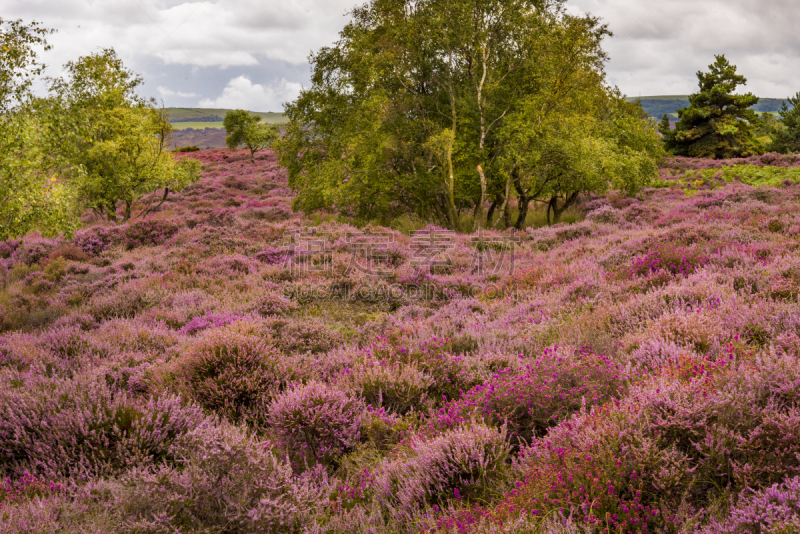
x,y
434,110
32,196
246,129
752,175
18,60
117,140
787,138
718,123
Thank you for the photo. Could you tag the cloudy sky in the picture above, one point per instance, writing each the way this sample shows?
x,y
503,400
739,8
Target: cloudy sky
x,y
252,54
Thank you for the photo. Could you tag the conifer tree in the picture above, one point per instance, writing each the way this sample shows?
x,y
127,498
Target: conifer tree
x,y
787,138
718,123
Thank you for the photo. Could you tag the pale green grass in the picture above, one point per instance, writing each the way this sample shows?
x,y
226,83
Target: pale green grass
x,y
196,125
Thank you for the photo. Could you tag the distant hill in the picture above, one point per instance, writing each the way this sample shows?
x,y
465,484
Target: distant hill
x,y
201,118
656,106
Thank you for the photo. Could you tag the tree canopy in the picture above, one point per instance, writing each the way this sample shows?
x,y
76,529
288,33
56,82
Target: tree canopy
x,y
116,139
787,137
19,62
718,123
32,195
246,129
440,107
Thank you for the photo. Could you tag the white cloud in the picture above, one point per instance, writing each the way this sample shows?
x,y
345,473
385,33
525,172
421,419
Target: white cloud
x,y
165,93
206,33
657,48
659,45
241,93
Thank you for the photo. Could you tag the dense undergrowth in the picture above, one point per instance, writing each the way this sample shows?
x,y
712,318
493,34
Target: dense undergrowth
x,y
196,371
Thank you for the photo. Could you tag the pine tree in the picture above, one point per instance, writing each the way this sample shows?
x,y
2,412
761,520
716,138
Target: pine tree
x,y
718,123
787,139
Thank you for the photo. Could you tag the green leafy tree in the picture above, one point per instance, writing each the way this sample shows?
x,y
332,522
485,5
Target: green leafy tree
x,y
597,143
114,139
718,123
33,194
423,107
19,62
245,129
786,138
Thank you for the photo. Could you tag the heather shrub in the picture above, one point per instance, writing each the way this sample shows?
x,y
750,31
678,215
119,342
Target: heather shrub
x,y
668,451
469,464
199,324
302,335
125,301
316,423
395,387
773,510
273,256
225,481
697,332
25,487
149,232
275,304
604,214
231,266
593,482
72,343
77,428
21,351
221,218
124,335
539,394
33,249
678,261
93,241
234,374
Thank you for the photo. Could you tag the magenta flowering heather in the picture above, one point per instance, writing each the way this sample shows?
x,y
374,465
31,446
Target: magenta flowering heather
x,y
336,398
467,463
540,394
773,509
198,324
316,423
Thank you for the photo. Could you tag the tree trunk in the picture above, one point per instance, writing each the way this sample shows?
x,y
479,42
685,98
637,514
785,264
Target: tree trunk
x,y
504,208
551,205
492,208
523,212
559,211
479,217
523,202
128,206
451,193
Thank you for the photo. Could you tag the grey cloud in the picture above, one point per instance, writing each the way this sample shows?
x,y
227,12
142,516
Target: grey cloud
x,y
657,48
659,45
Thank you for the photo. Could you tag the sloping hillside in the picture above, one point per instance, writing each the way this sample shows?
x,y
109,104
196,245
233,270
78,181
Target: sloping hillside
x,y
226,365
657,106
199,118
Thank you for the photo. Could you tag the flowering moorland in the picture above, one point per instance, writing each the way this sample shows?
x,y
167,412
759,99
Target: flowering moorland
x,y
198,371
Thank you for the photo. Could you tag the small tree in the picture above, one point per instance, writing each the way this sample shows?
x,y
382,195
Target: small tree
x,y
117,140
718,123
244,128
439,107
32,194
787,138
18,60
